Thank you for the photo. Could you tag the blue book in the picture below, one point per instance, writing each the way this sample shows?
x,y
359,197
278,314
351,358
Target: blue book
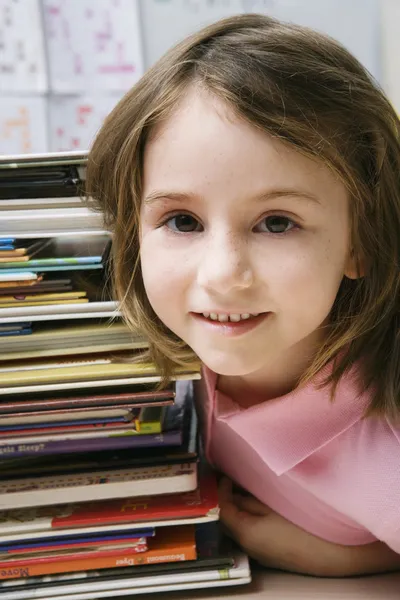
x,y
62,540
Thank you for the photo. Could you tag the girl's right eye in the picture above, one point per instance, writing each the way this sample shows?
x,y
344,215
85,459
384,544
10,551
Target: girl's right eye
x,y
183,223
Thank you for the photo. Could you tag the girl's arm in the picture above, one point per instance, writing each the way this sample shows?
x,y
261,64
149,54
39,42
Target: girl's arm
x,y
275,542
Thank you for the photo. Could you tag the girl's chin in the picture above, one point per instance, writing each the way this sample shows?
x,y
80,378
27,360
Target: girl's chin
x,y
229,367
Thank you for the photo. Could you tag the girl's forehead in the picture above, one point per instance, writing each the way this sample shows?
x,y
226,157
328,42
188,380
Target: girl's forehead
x,y
204,143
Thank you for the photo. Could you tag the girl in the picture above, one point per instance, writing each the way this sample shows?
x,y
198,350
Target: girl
x,y
252,181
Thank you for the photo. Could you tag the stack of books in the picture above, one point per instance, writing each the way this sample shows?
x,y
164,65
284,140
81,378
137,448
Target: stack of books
x,y
100,484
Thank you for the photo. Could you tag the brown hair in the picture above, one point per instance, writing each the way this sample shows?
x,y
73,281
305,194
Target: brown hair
x,y
308,91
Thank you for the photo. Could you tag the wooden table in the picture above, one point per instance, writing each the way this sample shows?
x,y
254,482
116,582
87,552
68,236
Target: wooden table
x,y
270,585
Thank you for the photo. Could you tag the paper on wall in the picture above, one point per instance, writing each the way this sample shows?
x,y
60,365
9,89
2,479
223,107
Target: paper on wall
x,y
74,120
93,45
22,53
23,125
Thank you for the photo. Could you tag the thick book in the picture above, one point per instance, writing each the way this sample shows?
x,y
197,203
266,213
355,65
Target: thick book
x,y
169,545
108,483
198,506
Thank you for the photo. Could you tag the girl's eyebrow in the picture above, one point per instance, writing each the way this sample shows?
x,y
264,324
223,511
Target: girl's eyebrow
x,y
160,195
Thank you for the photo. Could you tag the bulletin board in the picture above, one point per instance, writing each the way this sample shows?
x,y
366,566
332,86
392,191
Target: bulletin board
x,y
64,64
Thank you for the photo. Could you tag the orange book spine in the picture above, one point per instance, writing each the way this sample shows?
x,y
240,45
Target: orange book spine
x,y
170,552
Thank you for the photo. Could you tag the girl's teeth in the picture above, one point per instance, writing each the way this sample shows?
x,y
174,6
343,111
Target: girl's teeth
x,y
235,318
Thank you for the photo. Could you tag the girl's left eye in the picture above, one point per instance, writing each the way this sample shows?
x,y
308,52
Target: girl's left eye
x,y
183,223
276,224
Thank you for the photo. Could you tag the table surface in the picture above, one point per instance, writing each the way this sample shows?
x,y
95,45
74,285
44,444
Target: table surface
x,y
271,585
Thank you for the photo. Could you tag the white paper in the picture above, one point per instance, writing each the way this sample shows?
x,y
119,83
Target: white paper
x,y
93,45
355,23
75,120
390,22
22,56
23,125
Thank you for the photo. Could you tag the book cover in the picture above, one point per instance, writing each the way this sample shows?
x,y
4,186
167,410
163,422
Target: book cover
x,y
101,484
169,545
87,442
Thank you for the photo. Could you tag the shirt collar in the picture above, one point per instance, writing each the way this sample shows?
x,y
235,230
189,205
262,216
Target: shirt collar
x,y
286,430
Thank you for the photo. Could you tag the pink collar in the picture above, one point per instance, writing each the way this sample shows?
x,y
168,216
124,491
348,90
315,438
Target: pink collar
x,y
287,430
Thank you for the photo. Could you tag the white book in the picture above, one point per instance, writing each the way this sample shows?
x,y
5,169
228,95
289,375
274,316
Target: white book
x,y
239,574
72,385
25,276
110,307
99,485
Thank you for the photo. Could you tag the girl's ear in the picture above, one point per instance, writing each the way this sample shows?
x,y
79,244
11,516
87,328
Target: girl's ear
x,y
355,267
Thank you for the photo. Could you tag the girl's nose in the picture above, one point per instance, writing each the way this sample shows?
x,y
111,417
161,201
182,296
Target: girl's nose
x,y
225,264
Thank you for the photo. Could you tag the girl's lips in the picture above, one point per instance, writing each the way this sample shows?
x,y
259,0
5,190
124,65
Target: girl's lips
x,y
231,328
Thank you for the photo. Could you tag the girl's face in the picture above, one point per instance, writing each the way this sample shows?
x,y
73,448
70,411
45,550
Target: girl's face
x,y
233,223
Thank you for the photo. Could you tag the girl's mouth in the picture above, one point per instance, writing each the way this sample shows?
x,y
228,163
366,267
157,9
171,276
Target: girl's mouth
x,y
230,324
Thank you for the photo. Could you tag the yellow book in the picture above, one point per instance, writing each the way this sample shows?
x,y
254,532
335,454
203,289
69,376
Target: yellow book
x,y
30,303
23,298
75,372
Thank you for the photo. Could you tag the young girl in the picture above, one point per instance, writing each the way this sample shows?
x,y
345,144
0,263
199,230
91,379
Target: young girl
x,y
252,181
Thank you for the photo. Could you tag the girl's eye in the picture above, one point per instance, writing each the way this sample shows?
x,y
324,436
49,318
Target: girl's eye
x,y
183,224
276,224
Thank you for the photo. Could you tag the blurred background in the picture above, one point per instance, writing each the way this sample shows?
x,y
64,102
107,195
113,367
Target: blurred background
x,y
65,63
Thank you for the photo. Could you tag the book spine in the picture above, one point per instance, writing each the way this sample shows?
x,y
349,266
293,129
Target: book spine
x,y
170,438
9,408
126,559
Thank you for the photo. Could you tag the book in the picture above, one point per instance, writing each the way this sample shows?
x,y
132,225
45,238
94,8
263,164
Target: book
x,y
108,397
101,484
27,547
169,545
197,506
38,286
189,575
65,251
82,369
51,222
21,248
87,442
20,276
92,310
33,297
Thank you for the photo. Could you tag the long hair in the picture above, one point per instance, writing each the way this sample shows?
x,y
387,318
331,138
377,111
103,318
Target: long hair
x,y
309,92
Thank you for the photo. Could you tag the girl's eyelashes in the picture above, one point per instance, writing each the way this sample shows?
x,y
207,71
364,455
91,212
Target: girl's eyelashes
x,y
276,224
183,223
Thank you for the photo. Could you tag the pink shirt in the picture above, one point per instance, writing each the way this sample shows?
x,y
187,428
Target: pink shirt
x,y
318,464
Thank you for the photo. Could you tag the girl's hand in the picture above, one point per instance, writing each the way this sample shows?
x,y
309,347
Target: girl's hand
x,y
276,543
